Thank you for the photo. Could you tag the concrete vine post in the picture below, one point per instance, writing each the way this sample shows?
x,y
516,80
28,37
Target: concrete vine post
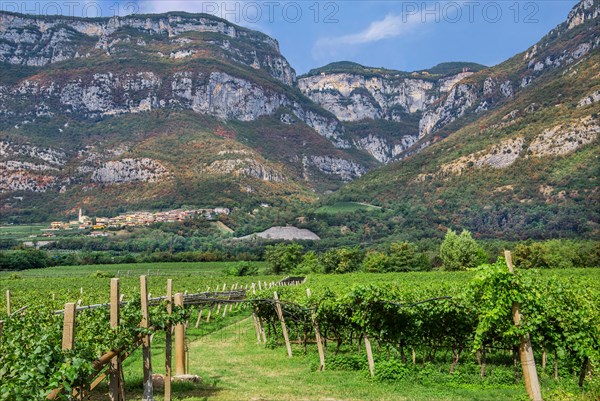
x,y
70,314
180,368
114,381
530,376
282,321
369,354
8,302
315,325
148,393
168,342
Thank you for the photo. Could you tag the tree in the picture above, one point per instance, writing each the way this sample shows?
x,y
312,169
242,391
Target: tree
x,y
404,257
376,262
341,260
460,252
283,257
24,259
310,264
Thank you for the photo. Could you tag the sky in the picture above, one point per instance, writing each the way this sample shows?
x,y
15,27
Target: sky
x,y
402,35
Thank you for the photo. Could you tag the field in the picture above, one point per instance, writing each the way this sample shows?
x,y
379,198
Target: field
x,y
21,232
346,207
233,366
34,234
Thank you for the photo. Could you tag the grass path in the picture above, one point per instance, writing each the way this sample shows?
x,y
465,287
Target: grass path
x,y
235,368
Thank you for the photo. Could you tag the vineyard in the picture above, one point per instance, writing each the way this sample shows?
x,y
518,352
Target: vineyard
x,y
445,323
394,327
59,336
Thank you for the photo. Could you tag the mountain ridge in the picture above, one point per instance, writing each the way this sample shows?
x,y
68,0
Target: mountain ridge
x,y
157,115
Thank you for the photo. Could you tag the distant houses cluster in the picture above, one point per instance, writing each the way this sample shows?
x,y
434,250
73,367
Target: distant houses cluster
x,y
136,219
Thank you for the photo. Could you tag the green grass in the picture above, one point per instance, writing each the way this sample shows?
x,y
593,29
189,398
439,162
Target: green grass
x,y
346,207
233,366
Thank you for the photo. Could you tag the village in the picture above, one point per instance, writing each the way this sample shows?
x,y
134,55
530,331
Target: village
x,y
136,219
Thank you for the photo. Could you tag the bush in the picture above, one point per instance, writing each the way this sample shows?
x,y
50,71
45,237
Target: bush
x,y
283,257
24,259
101,274
341,260
241,269
391,370
561,254
405,257
376,262
461,252
348,362
310,264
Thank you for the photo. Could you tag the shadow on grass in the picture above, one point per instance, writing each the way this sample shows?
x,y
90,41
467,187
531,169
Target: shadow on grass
x,y
209,387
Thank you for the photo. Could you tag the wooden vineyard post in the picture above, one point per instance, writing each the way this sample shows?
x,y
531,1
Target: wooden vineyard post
x,y
179,341
532,384
7,302
68,339
114,381
226,305
219,304
148,394
282,321
256,327
210,308
313,320
369,355
261,327
231,305
168,342
199,316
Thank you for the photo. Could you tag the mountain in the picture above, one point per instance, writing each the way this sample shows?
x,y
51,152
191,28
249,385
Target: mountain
x,y
178,109
381,109
508,152
157,111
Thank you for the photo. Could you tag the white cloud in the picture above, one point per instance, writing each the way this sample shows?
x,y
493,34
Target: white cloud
x,y
392,26
389,27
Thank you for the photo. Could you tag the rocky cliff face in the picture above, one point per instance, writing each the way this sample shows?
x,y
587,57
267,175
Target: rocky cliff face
x,y
32,41
490,88
353,97
29,168
184,81
439,101
95,95
342,168
87,72
129,170
395,97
